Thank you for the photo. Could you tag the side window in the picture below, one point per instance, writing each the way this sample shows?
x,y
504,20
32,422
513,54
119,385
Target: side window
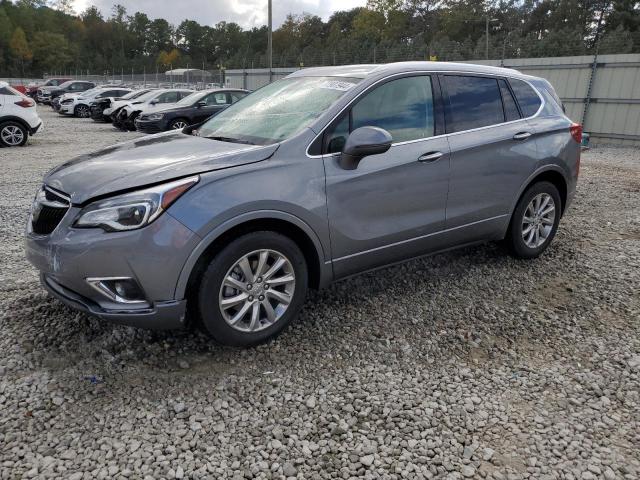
x,y
235,96
509,104
220,98
335,138
473,102
6,91
403,107
527,98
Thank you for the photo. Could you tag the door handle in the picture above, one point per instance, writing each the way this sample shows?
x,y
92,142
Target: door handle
x,y
521,135
430,157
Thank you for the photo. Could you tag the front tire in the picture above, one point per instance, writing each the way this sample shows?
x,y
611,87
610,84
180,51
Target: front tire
x,y
13,134
535,221
252,289
82,111
178,124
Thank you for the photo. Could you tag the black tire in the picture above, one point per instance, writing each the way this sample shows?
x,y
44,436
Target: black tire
x,y
14,127
175,121
209,312
82,111
514,239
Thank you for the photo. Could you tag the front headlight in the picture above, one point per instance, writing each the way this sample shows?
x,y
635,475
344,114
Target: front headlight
x,y
133,210
154,116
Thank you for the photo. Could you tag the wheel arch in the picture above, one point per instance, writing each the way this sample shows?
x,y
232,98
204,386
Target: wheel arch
x,y
11,118
551,174
281,222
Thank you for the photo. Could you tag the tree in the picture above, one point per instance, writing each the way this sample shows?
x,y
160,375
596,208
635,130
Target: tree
x,y
168,58
19,47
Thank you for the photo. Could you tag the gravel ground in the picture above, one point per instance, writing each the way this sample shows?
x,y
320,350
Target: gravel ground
x,y
469,364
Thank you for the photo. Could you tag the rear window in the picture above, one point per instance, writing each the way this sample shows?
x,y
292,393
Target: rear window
x,y
528,99
473,102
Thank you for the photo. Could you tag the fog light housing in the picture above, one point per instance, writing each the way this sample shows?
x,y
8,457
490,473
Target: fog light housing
x,y
118,289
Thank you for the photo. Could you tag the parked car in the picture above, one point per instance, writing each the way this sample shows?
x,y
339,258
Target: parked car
x,y
32,90
327,173
18,117
101,108
192,109
127,115
79,105
47,94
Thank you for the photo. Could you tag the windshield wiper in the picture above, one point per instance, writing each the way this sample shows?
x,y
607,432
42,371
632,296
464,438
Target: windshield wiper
x,y
231,140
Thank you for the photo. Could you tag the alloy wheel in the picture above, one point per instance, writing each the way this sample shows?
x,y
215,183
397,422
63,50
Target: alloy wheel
x,y
83,111
538,220
179,125
257,290
12,135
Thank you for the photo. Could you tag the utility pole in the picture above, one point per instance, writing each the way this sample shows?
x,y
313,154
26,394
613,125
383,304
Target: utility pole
x,y
486,34
270,42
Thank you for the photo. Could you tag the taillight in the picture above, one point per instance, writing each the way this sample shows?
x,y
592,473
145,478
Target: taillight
x,y
576,132
25,103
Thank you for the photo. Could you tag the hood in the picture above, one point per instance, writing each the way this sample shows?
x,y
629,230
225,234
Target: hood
x,y
147,161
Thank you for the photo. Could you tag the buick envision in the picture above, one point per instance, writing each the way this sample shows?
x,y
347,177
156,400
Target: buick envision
x,y
324,174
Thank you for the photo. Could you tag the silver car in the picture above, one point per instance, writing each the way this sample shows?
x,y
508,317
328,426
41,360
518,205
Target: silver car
x,y
324,174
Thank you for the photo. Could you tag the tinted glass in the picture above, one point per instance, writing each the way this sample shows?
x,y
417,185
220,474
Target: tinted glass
x,y
510,108
335,137
9,91
474,102
403,107
168,97
527,98
278,110
235,96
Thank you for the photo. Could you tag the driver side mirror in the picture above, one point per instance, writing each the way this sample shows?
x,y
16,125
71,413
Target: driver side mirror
x,y
201,104
362,142
154,101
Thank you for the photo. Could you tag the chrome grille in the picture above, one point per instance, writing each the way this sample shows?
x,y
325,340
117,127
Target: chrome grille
x,y
49,207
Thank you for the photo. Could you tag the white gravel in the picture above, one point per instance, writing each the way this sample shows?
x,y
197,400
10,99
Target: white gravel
x,y
464,365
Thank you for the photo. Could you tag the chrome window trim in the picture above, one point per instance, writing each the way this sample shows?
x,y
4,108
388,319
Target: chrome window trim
x,y
429,72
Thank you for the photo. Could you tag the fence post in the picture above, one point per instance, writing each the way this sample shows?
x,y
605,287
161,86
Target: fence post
x,y
592,77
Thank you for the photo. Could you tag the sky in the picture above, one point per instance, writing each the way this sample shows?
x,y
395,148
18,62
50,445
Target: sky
x,y
247,13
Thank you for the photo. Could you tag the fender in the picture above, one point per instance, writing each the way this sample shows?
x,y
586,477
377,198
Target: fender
x,y
11,118
326,271
538,171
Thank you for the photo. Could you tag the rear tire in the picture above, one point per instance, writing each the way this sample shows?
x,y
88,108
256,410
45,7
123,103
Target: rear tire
x,y
535,221
13,134
252,289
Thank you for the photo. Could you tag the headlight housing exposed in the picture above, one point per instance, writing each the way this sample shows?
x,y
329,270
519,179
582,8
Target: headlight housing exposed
x,y
134,210
154,116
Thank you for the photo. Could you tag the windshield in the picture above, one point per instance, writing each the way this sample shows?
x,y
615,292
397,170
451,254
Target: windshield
x,y
277,111
191,99
134,94
146,96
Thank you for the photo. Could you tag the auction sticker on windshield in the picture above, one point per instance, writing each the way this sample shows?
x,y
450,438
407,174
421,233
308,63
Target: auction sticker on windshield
x,y
337,85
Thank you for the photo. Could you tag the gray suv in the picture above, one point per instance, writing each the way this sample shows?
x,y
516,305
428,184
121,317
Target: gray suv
x,y
324,174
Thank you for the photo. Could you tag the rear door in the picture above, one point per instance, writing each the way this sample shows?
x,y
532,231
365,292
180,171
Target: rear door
x,y
391,206
493,152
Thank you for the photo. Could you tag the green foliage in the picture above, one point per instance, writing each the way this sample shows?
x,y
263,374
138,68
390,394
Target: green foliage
x,y
47,36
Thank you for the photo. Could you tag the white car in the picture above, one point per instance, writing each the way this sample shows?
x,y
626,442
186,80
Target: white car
x,y
137,96
157,100
79,104
18,117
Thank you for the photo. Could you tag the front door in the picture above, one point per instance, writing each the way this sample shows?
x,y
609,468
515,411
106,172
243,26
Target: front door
x,y
391,206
